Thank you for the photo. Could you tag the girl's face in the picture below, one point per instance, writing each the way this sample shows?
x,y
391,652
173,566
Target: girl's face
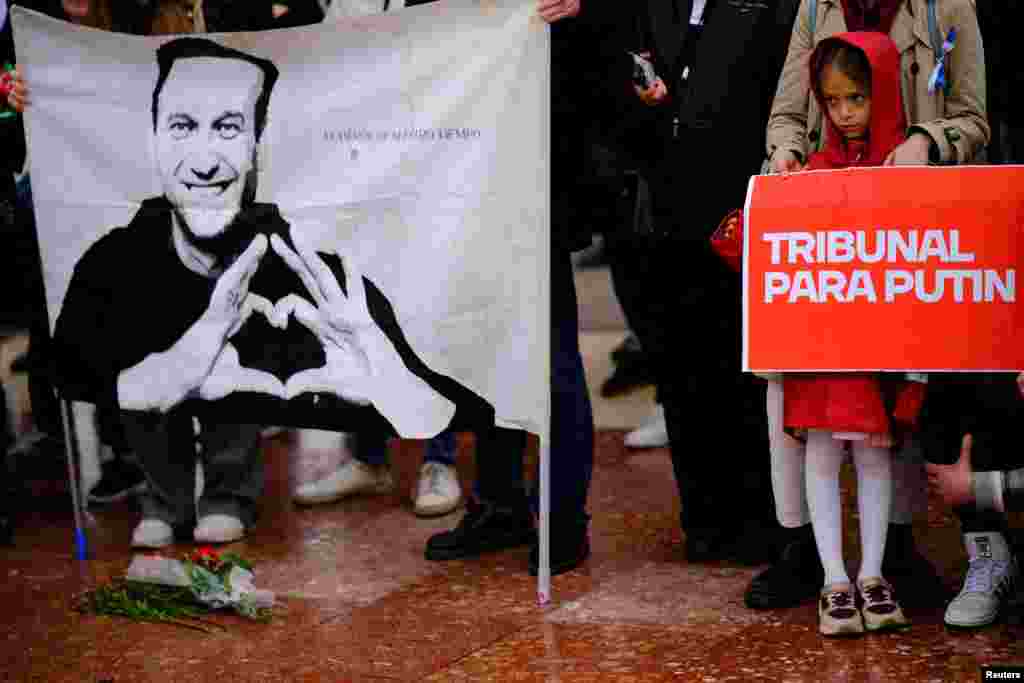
x,y
849,104
76,9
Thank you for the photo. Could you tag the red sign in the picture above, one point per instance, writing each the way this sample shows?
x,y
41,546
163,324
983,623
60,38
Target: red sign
x,y
892,268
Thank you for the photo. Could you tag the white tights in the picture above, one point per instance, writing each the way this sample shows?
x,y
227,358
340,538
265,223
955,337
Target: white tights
x,y
874,494
908,476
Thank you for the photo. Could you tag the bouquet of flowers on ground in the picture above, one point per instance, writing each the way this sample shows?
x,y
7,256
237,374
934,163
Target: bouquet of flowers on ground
x,y
182,591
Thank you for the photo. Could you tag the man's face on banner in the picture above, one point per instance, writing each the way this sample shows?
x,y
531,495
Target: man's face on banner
x,y
206,138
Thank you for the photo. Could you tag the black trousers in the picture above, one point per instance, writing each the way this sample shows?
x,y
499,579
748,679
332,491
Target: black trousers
x,y
987,406
165,445
687,308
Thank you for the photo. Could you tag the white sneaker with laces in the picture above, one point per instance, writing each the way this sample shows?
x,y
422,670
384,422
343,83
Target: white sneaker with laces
x,y
651,434
218,529
437,490
152,533
351,478
992,574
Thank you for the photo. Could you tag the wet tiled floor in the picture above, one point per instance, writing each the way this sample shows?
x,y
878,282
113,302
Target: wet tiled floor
x,y
360,603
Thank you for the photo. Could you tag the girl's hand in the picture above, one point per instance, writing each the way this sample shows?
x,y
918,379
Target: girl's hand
x,y
654,94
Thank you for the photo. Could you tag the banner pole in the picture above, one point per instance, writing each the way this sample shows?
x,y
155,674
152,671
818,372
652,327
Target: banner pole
x,y
546,327
74,481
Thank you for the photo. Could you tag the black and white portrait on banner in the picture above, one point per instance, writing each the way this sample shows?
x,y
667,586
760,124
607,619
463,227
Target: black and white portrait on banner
x,y
326,236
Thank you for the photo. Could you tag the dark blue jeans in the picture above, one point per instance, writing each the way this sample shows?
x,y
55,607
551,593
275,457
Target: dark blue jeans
x,y
372,449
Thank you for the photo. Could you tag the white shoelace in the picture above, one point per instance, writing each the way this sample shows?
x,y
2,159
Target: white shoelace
x,y
983,572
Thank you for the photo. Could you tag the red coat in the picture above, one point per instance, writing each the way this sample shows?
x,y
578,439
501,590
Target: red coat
x,y
837,402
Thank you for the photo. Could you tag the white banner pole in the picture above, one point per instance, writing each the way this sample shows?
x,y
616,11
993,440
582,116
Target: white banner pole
x,y
545,330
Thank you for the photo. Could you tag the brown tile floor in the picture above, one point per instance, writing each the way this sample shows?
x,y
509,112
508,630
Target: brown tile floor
x,y
361,604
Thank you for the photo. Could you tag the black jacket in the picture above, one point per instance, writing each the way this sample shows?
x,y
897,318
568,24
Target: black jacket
x,y
711,128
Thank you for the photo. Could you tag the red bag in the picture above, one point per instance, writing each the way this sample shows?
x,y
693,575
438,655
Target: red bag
x,y
727,239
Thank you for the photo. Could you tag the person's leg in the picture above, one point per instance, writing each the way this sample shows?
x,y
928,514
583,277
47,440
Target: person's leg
x,y
165,446
6,497
959,404
797,575
437,491
572,428
874,496
441,449
233,473
498,516
367,471
880,608
715,417
837,610
824,458
912,576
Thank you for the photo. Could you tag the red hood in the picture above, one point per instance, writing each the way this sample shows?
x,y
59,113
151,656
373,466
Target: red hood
x,y
888,126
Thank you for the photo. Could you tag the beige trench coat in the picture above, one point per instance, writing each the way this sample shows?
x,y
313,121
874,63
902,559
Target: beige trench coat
x,y
957,123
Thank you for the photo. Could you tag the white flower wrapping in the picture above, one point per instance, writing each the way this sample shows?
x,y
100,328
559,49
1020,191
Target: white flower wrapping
x,y
236,591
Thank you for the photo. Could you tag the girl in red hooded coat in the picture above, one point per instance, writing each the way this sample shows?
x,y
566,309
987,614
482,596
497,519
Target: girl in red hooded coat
x,y
855,77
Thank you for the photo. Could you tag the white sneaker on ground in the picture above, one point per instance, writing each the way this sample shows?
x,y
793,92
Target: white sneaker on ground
x,y
651,434
152,533
218,529
992,574
351,478
437,490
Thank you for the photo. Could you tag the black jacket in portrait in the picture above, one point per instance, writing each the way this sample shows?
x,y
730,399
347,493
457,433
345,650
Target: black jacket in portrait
x,y
131,296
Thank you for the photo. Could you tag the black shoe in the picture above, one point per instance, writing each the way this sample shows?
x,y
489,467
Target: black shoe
x,y
484,528
569,546
796,577
628,375
913,578
120,480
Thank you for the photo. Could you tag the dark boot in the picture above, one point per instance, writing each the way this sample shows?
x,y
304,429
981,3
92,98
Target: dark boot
x,y
914,579
796,577
484,528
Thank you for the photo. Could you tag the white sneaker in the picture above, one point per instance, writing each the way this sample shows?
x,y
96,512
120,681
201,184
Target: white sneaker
x,y
351,478
218,529
991,577
651,434
152,533
437,491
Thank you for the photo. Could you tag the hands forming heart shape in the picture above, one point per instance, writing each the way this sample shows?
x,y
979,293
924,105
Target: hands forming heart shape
x,y
340,320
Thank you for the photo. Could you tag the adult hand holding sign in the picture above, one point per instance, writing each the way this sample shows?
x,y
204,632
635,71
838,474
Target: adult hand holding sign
x,y
362,365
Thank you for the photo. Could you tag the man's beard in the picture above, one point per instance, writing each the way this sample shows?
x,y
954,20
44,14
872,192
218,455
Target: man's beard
x,y
226,245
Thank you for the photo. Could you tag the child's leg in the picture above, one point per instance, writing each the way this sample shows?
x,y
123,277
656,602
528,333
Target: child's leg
x,y
787,465
824,457
874,496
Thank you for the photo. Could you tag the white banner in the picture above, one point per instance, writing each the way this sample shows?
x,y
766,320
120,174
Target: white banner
x,y
410,147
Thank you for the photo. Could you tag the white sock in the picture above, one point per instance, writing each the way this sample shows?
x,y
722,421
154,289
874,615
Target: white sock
x,y
874,494
787,465
824,457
